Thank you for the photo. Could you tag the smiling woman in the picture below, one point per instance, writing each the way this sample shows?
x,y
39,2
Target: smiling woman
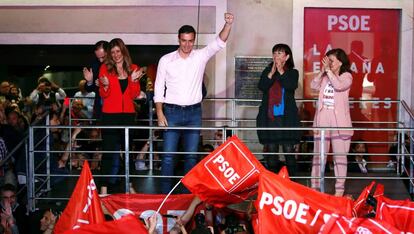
x,y
119,86
333,84
278,82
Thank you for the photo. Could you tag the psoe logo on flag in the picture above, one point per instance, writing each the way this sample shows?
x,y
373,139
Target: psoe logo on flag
x,y
230,167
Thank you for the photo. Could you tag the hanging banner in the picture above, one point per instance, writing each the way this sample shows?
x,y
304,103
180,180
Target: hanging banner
x,y
370,37
144,205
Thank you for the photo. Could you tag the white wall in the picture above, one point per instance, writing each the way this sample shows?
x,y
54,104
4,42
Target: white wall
x,y
259,25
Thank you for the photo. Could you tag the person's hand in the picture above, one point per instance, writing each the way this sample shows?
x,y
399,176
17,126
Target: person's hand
x,y
41,87
104,81
228,17
7,215
280,66
88,75
7,208
54,86
162,121
197,200
152,223
97,83
272,71
136,75
326,64
75,132
3,221
52,220
179,221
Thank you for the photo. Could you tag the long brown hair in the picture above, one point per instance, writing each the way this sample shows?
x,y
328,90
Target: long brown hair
x,y
110,63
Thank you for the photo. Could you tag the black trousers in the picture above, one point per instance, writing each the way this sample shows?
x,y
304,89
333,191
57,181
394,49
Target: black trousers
x,y
273,161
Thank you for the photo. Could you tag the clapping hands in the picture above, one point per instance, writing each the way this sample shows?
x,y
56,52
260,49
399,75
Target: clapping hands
x,y
136,75
326,64
88,75
104,81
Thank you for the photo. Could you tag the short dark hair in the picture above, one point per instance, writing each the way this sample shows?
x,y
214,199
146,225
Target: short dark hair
x,y
186,29
285,48
341,56
11,109
8,187
43,79
208,148
229,132
101,44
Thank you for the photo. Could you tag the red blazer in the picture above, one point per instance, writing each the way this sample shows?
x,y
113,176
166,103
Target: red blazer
x,y
114,101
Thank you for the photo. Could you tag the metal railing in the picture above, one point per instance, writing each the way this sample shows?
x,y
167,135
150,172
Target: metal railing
x,y
33,189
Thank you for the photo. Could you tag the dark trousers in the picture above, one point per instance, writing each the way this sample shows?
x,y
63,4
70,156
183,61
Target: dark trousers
x,y
113,140
273,161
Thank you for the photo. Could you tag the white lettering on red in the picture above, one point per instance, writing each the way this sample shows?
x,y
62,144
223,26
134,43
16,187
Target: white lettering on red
x,y
289,208
353,22
228,172
91,186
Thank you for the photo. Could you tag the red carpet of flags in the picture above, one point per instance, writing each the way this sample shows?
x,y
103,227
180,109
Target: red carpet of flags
x,y
232,174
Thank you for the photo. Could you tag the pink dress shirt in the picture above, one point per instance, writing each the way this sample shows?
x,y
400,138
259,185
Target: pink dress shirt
x,y
181,79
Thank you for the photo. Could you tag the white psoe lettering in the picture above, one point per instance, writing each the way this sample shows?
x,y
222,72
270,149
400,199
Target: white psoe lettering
x,y
228,171
289,208
353,22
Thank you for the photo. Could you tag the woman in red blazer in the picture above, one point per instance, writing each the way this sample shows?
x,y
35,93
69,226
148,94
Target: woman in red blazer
x,y
118,87
333,83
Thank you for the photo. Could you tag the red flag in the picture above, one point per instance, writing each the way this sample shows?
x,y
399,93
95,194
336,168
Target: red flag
x,y
398,213
361,208
290,207
255,223
125,225
228,175
119,204
357,225
144,205
84,206
284,173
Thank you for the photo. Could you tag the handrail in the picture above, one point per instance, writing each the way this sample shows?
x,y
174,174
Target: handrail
x,y
407,109
234,120
23,141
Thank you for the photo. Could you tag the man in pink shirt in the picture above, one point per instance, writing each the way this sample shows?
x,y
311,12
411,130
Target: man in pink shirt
x,y
178,94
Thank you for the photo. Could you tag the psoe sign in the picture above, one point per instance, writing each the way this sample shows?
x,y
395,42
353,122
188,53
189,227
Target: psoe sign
x,y
230,167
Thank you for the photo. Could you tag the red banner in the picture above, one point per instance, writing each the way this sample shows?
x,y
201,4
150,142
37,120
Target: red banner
x,y
293,208
357,225
84,206
144,205
370,37
228,175
121,226
398,213
361,208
